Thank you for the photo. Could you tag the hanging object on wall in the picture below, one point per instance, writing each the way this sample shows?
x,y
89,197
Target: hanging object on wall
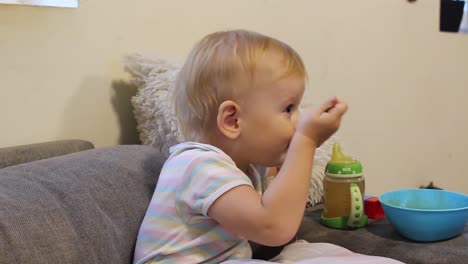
x,y
454,16
55,3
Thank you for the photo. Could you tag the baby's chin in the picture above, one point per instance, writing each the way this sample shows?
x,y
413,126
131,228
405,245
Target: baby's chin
x,y
277,162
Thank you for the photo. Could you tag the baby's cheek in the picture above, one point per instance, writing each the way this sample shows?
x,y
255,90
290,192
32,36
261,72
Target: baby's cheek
x,y
289,133
294,119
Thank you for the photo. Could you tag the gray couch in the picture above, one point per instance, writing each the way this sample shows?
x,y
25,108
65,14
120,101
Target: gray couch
x,y
86,207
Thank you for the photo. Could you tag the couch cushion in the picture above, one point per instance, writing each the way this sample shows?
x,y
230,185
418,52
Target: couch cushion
x,y
379,238
84,207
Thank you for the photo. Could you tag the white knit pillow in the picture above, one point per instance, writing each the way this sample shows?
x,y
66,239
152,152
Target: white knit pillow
x,y
154,78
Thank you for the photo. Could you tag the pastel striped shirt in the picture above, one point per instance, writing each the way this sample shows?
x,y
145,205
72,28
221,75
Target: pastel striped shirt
x,y
176,227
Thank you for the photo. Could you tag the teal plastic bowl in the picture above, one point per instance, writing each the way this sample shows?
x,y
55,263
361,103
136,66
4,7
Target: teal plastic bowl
x,y
426,214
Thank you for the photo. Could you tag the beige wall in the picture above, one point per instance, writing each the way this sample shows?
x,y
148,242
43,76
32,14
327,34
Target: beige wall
x,y
61,73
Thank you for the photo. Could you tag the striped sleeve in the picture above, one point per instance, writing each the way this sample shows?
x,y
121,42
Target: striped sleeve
x,y
208,177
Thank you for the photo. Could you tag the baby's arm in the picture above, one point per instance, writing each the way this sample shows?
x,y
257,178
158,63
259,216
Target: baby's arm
x,y
273,219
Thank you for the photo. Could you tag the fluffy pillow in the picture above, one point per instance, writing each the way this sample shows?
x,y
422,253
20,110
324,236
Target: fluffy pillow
x,y
157,124
154,78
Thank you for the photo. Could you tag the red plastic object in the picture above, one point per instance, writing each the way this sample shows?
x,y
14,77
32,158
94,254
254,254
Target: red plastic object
x,y
373,208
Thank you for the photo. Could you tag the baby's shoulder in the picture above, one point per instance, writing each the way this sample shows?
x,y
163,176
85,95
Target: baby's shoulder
x,y
192,153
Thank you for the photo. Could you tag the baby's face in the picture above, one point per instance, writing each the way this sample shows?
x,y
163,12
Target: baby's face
x,y
270,113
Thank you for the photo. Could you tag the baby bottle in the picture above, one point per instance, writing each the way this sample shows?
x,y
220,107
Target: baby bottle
x,y
343,186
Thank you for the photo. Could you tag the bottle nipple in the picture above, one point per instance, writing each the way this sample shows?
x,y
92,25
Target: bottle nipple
x,y
339,157
341,165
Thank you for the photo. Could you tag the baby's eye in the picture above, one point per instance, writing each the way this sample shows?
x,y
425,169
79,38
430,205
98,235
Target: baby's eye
x,y
289,108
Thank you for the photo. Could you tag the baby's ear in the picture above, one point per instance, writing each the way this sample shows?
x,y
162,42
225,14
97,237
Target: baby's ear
x,y
227,119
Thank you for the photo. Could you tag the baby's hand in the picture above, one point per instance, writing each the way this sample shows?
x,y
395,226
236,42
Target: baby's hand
x,y
318,124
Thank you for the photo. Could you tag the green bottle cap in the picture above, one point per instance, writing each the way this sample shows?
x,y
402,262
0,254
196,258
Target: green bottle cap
x,y
342,166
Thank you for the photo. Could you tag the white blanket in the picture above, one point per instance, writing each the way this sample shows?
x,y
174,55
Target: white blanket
x,y
303,252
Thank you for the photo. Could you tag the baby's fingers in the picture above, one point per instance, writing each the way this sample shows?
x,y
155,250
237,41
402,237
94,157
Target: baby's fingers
x,y
334,107
328,105
339,109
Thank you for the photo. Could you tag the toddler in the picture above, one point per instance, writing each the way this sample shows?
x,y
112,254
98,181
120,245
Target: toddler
x,y
237,98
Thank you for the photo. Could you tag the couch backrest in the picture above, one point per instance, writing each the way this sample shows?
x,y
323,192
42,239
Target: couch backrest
x,y
26,153
84,207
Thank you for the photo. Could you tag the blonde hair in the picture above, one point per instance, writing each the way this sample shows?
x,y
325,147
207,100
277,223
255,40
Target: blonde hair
x,y
211,68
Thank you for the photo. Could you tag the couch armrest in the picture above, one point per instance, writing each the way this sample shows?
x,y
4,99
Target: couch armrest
x,y
26,153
